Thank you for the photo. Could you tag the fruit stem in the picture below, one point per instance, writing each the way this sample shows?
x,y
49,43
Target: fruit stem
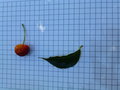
x,y
24,33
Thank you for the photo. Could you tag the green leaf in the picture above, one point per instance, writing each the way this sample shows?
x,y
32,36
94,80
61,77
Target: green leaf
x,y
65,61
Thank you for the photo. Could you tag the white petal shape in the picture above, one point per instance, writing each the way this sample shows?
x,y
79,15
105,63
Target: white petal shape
x,y
42,28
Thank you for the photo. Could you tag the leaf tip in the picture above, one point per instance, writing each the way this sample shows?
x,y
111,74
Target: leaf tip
x,y
42,58
81,46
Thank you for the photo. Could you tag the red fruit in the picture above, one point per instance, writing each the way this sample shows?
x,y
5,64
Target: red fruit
x,y
22,49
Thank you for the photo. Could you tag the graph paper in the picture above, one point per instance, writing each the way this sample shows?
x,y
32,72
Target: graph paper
x,y
59,27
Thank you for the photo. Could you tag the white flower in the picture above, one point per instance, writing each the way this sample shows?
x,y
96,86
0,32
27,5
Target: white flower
x,y
42,27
